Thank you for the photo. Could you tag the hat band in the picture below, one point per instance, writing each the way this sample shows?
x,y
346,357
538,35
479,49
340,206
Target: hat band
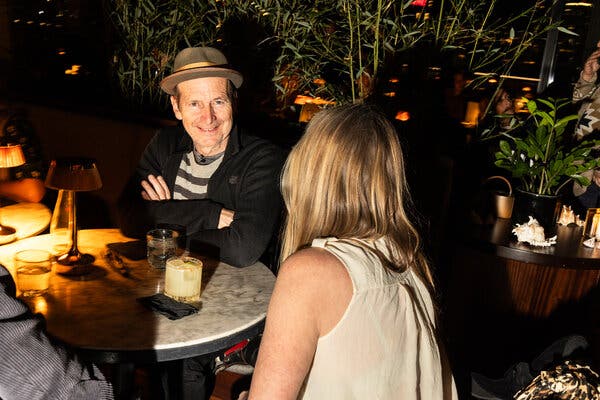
x,y
197,65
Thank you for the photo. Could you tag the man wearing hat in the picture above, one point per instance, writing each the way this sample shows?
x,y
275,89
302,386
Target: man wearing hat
x,y
209,178
206,175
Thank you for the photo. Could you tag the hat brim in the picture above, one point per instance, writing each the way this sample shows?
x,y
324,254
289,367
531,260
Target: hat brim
x,y
169,83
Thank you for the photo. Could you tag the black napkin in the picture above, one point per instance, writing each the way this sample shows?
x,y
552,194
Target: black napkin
x,y
168,307
133,250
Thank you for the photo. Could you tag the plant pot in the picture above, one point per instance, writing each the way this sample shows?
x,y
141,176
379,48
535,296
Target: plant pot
x,y
503,202
544,208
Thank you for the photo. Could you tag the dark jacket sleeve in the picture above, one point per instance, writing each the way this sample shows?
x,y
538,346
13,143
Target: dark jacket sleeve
x,y
257,213
31,366
137,216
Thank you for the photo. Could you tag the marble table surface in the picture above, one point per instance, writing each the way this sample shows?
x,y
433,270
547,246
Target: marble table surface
x,y
28,219
98,313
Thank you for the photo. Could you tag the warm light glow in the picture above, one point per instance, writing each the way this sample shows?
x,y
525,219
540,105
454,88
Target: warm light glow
x,y
62,52
11,156
472,114
523,78
302,99
521,106
526,88
390,94
578,4
74,70
40,306
493,80
319,81
307,111
394,80
402,116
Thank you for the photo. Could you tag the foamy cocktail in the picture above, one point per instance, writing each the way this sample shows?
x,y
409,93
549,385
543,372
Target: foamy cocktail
x,y
183,278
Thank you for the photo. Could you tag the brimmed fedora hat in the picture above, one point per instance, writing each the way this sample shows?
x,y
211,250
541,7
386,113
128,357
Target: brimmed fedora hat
x,y
199,62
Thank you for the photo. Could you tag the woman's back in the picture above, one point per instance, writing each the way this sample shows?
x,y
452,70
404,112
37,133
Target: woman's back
x,y
384,346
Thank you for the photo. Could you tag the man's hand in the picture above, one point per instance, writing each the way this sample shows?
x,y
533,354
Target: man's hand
x,y
225,218
591,65
155,188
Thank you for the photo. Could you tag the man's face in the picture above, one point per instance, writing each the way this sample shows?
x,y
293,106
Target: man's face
x,y
206,112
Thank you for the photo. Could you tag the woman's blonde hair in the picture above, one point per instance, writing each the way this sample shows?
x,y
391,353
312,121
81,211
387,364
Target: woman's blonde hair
x,y
345,178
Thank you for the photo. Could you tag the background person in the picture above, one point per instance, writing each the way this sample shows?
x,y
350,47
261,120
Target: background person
x,y
351,316
31,365
24,183
586,93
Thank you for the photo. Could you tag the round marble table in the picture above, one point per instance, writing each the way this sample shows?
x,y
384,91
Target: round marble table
x,y
98,313
28,219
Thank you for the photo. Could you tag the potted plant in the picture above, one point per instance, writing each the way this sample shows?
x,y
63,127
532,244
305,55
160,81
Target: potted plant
x,y
539,153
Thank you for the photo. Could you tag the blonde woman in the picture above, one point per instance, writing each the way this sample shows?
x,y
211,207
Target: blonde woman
x,y
352,315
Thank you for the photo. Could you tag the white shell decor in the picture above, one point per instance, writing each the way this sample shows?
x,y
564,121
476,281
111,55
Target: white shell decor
x,y
533,233
591,242
567,216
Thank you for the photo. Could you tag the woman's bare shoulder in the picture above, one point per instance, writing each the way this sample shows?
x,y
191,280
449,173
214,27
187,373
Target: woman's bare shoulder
x,y
312,261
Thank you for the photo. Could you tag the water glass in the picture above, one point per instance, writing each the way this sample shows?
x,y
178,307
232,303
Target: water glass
x,y
161,245
33,272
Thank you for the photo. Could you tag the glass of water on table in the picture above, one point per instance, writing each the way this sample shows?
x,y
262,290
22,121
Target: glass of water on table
x,y
162,245
33,269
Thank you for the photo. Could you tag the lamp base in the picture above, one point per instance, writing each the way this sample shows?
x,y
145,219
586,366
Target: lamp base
x,y
7,234
74,264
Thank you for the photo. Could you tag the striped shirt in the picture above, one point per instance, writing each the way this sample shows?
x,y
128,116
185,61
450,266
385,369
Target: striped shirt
x,y
193,176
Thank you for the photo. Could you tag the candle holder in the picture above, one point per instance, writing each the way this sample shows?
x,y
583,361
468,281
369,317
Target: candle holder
x,y
591,228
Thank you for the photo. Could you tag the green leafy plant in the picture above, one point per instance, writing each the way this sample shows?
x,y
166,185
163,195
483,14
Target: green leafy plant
x,y
538,153
335,49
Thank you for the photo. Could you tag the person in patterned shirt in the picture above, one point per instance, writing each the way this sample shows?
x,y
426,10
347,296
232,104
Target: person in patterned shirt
x,y
587,92
24,183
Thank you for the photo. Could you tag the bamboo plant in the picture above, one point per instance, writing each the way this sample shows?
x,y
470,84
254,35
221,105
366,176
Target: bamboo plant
x,y
336,49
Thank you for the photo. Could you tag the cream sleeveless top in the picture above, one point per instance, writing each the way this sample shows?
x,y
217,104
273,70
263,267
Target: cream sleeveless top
x,y
384,346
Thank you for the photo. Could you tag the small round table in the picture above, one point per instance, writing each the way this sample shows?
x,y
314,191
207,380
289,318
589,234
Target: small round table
x,y
506,301
536,279
99,314
28,219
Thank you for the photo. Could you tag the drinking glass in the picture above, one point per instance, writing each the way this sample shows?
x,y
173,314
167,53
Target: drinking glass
x,y
162,244
33,271
183,279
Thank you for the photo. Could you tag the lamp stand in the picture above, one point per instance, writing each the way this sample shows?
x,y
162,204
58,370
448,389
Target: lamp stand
x,y
73,262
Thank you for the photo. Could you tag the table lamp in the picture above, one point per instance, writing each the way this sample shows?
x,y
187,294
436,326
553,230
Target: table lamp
x,y
72,175
11,155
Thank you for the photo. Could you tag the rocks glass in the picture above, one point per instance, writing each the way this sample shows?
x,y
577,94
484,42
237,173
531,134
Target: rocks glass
x,y
33,272
161,244
183,279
